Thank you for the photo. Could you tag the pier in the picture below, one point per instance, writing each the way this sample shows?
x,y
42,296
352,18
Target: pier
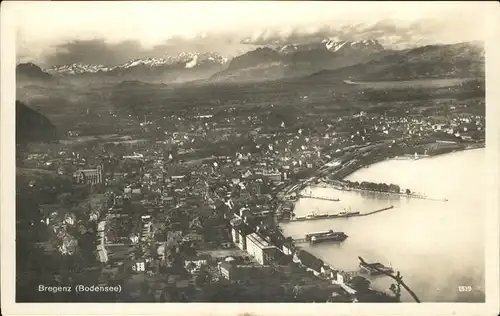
x,y
324,198
300,241
411,157
400,194
333,216
376,211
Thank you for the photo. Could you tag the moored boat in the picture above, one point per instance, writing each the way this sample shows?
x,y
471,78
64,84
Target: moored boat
x,y
316,234
329,237
347,214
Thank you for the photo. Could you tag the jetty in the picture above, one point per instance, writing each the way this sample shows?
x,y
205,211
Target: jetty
x,y
300,240
376,211
333,216
400,194
423,197
324,198
411,157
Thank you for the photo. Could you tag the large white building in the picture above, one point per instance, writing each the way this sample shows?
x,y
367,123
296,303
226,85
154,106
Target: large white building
x,y
239,235
239,232
261,250
238,239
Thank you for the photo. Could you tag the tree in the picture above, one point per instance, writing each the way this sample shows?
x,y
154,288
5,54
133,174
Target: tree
x,y
191,266
138,252
408,191
394,188
188,249
203,277
99,188
384,187
360,284
87,243
65,199
146,292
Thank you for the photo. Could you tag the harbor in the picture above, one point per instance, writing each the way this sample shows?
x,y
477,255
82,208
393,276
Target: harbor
x,y
384,237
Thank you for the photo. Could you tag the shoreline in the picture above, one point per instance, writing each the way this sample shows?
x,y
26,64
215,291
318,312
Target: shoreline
x,y
300,185
408,80
376,161
408,157
295,188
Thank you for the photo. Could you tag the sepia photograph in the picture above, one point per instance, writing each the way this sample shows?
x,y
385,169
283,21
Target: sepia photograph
x,y
249,152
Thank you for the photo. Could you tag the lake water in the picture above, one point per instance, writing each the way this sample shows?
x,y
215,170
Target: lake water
x,y
436,245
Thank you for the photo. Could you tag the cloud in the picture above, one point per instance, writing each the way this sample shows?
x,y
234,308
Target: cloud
x,y
393,33
95,51
102,52
389,32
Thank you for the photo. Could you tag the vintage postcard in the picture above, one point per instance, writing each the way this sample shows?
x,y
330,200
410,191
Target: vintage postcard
x,y
269,154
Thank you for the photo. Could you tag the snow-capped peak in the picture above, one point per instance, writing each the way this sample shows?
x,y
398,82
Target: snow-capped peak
x,y
189,60
334,46
288,48
192,63
77,68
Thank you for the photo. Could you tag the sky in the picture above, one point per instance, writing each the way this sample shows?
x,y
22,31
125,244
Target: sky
x,y
63,32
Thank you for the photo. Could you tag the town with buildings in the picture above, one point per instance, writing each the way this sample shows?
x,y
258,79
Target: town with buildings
x,y
187,209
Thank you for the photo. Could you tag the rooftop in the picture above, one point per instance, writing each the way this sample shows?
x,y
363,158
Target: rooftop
x,y
259,241
86,170
310,260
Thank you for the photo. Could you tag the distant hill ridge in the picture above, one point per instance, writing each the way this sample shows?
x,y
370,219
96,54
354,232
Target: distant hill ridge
x,y
463,60
340,60
31,126
294,60
31,71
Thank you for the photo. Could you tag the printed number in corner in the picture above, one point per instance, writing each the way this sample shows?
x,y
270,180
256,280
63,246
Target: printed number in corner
x,y
465,288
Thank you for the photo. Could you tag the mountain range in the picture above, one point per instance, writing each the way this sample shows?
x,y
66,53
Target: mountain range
x,y
463,60
183,67
346,60
293,60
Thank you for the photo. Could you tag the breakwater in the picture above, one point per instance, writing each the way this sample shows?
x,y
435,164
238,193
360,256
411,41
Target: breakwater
x,y
411,195
377,211
324,198
332,216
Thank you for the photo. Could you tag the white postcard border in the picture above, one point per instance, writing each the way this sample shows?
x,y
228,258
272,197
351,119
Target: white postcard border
x,y
9,307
